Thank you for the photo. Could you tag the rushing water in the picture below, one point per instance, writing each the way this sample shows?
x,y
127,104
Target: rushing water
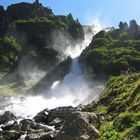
x,y
72,91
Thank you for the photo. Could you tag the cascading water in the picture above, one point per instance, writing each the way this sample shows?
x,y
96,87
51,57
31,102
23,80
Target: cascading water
x,y
72,91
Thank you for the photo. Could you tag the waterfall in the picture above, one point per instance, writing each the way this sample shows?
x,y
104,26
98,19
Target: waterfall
x,y
73,90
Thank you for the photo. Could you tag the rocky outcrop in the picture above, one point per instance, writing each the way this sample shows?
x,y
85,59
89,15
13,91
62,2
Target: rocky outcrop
x,y
71,123
79,125
6,117
56,74
133,26
64,123
42,116
10,135
22,11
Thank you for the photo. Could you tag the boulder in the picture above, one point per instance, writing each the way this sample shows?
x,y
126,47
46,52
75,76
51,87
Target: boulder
x,y
26,124
79,125
10,135
74,124
63,123
69,123
42,116
32,127
56,122
39,136
59,112
6,117
15,126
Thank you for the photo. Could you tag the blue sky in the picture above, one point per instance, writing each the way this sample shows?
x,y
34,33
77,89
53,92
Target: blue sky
x,y
106,12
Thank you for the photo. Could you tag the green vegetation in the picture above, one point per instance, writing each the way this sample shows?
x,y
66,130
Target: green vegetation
x,y
113,53
26,35
119,106
113,61
29,33
9,52
117,54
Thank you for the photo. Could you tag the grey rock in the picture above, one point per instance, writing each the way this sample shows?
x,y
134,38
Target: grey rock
x,y
75,124
10,135
39,136
6,117
15,126
42,116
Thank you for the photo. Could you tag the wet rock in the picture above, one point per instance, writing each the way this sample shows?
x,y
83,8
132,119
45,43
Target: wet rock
x,y
32,127
39,136
77,124
59,113
69,123
56,122
74,124
26,124
46,137
6,127
42,116
63,123
15,126
10,135
6,117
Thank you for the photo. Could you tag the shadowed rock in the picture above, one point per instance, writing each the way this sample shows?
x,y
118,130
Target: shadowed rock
x,y
6,117
57,74
73,124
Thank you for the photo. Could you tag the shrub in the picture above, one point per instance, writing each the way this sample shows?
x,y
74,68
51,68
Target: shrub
x,y
9,51
113,60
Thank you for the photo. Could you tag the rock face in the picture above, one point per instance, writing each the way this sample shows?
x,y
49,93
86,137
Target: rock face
x,y
71,123
133,26
2,18
42,116
123,26
6,117
10,135
25,11
64,123
79,125
56,74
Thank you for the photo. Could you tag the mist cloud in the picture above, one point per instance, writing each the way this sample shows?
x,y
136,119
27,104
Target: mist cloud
x,y
75,89
97,19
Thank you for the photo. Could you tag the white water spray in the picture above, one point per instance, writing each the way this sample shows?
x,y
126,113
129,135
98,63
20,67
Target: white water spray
x,y
72,91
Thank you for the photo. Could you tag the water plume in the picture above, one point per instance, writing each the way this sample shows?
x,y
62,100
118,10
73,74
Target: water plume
x,y
73,90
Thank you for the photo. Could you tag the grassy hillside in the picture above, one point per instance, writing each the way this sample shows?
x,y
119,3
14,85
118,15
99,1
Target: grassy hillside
x,y
117,54
119,108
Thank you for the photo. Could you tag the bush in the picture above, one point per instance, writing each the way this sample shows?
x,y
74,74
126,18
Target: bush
x,y
113,61
108,133
9,51
126,121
